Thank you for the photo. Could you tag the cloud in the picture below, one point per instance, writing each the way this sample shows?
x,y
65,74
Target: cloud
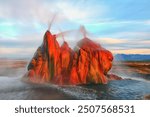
x,y
111,41
147,22
73,12
145,42
132,34
43,11
23,23
26,41
126,46
115,21
81,11
25,10
14,52
131,51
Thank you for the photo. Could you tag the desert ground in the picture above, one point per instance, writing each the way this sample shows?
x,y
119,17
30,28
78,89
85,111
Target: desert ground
x,y
129,69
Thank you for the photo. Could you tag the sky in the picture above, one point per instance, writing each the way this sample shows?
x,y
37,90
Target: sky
x,y
121,26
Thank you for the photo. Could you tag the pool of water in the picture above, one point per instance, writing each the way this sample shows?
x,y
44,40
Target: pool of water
x,y
14,88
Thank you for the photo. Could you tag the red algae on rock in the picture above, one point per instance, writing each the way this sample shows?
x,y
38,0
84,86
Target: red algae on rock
x,y
52,63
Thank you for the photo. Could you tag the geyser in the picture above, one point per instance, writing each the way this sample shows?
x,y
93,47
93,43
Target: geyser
x,y
88,63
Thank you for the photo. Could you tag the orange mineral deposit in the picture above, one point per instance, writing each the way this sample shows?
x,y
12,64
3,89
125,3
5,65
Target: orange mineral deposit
x,y
61,65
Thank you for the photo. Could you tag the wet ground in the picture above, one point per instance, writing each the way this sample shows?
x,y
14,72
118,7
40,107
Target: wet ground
x,y
12,86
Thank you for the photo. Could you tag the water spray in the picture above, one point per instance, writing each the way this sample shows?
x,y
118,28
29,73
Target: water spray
x,y
52,20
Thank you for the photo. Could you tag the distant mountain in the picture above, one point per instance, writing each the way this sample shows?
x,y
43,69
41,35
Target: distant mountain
x,y
131,57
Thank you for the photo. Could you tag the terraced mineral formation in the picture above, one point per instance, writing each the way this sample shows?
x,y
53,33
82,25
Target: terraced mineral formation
x,y
88,63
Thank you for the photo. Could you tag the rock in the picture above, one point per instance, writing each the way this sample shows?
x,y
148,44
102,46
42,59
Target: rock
x,y
147,97
113,77
88,63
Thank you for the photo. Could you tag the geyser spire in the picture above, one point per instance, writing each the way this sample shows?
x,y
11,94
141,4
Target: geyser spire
x,y
62,65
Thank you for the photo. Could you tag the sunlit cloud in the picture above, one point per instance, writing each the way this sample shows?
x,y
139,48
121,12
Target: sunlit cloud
x,y
131,51
145,42
111,41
